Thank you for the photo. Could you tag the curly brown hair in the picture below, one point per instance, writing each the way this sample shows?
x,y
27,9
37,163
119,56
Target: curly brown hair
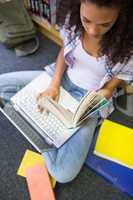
x,y
116,44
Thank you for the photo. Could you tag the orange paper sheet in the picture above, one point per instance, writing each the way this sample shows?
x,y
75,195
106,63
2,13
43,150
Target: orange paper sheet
x,y
31,159
39,183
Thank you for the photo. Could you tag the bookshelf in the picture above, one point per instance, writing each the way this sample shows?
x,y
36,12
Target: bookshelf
x,y
45,28
48,30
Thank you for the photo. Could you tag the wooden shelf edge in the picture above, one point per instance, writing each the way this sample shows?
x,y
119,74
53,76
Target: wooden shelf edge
x,y
48,30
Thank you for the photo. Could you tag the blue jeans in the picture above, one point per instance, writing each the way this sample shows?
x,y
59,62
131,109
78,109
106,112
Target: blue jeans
x,y
64,163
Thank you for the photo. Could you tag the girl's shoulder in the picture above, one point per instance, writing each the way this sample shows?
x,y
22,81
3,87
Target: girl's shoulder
x,y
68,33
124,71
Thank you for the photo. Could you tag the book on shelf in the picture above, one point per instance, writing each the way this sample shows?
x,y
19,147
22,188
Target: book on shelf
x,y
31,6
34,6
90,104
50,10
44,8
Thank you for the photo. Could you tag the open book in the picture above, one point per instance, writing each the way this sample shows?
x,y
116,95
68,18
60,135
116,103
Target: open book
x,y
91,103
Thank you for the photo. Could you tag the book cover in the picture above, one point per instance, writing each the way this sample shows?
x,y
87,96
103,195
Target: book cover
x,y
36,2
120,176
32,3
53,11
50,10
115,143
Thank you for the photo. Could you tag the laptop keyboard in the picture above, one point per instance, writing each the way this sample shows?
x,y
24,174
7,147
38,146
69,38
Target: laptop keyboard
x,y
39,143
54,128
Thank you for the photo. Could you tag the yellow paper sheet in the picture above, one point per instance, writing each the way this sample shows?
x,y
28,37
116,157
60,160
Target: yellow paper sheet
x,y
115,142
31,159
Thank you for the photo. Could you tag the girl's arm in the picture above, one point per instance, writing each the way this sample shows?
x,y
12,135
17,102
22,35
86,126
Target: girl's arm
x,y
109,87
59,71
54,87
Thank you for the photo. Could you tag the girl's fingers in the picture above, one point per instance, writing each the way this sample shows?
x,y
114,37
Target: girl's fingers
x,y
38,96
41,108
45,112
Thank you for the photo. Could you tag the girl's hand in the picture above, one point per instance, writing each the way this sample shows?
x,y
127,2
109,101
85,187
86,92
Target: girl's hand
x,y
105,93
51,92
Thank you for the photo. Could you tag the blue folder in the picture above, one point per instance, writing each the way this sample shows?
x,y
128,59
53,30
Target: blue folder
x,y
118,175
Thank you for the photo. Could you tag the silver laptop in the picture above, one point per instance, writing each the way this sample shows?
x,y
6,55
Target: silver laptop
x,y
47,128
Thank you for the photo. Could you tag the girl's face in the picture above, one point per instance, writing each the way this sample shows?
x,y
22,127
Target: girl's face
x,y
97,20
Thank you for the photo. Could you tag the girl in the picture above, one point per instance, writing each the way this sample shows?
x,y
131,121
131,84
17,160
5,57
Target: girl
x,y
96,55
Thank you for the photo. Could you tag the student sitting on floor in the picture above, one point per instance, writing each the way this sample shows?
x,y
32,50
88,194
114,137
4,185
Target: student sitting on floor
x,y
96,55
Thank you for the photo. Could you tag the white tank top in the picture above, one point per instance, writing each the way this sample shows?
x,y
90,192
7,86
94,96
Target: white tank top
x,y
87,71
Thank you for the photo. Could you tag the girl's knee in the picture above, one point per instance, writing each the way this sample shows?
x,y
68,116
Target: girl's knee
x,y
63,178
63,175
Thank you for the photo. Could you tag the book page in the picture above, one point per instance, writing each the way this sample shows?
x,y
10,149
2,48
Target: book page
x,y
83,105
86,105
67,101
96,108
101,105
64,115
